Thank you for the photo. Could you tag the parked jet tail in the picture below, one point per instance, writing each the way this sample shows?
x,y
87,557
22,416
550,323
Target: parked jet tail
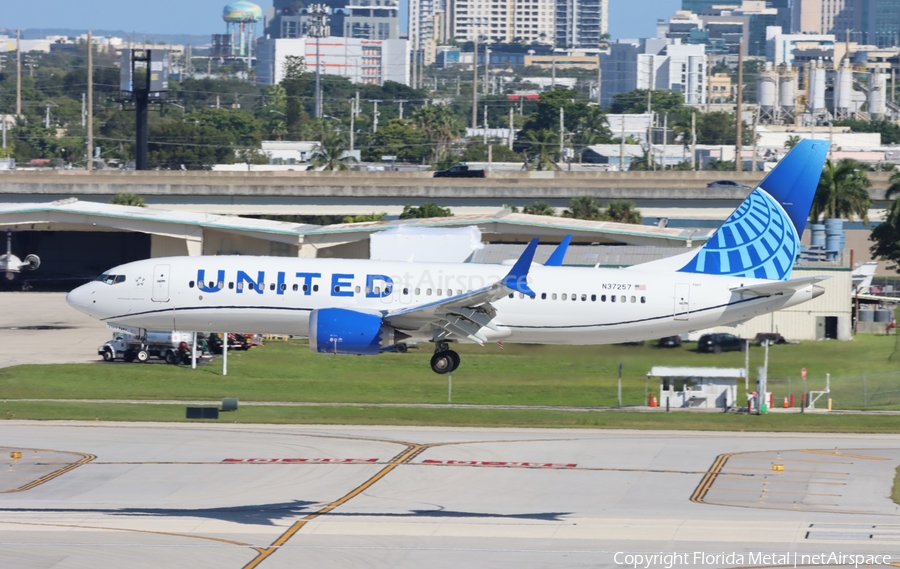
x,y
761,238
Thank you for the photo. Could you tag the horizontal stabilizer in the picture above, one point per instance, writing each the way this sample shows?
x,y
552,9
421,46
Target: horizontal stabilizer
x,y
777,287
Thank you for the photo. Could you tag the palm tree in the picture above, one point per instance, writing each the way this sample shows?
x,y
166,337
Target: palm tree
x,y
539,208
440,126
278,129
791,141
622,211
332,154
842,192
584,207
542,150
894,188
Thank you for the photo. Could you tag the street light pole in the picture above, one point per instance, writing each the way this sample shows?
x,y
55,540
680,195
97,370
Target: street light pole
x,y
318,29
475,83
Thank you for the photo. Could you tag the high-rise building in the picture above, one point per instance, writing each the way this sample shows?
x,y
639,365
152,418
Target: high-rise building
x,y
655,64
581,23
823,16
372,20
879,21
504,21
426,28
697,6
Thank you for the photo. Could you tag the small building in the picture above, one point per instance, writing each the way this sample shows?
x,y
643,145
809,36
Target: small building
x,y
697,387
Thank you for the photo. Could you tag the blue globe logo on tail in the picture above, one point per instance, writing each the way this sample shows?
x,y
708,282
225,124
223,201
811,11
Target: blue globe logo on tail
x,y
761,238
757,241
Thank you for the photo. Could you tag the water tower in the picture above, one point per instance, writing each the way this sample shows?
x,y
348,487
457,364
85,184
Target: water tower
x,y
240,19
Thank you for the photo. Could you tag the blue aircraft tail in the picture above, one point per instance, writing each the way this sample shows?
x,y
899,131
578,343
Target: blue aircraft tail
x,y
761,238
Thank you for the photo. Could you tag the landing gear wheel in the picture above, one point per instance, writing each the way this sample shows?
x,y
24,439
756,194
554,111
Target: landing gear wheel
x,y
442,362
171,358
108,356
143,356
400,348
455,357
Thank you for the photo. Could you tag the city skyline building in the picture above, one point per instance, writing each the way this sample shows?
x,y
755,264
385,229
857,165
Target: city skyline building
x,y
359,60
581,23
504,21
654,63
372,20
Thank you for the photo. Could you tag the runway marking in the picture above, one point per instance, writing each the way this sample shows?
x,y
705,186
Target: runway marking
x,y
758,491
299,460
85,458
500,463
792,470
710,477
412,450
771,459
173,534
838,453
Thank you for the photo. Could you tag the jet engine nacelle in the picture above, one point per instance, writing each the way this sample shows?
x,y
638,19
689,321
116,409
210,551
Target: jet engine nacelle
x,y
344,331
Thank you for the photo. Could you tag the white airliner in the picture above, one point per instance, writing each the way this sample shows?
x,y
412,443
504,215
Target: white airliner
x,y
366,307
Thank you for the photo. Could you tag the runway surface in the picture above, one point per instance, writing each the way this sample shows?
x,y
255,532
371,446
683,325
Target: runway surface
x,y
228,495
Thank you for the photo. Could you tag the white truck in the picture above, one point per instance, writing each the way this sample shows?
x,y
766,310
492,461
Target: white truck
x,y
140,345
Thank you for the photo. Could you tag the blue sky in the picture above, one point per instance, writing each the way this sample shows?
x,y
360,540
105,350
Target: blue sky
x,y
627,18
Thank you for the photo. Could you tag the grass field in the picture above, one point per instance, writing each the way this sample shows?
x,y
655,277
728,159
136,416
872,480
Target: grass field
x,y
519,375
367,415
895,493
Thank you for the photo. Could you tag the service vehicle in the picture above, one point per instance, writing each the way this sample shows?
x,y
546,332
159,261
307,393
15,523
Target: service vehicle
x,y
174,347
460,171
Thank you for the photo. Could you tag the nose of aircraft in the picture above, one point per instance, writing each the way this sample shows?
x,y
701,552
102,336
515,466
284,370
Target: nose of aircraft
x,y
82,298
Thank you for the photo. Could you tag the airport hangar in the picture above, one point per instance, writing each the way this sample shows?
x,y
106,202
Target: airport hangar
x,y
78,240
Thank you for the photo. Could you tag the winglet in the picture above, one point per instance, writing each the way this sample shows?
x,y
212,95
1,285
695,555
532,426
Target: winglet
x,y
556,258
517,279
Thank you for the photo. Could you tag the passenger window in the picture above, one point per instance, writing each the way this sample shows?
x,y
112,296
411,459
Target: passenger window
x,y
191,284
294,288
418,291
406,291
438,292
449,292
593,298
305,288
357,290
231,286
563,296
221,284
250,286
622,298
212,284
377,290
612,298
602,298
337,289
512,295
574,296
427,292
283,287
316,288
543,296
583,297
368,290
643,299
633,299
553,296
240,286
272,286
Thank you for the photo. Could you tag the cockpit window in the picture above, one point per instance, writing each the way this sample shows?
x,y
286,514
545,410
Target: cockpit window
x,y
111,279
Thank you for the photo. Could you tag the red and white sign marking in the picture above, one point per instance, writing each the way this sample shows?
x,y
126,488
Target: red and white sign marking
x,y
299,460
508,464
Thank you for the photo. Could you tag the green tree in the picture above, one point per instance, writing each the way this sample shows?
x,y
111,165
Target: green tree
x,y
890,131
539,208
886,237
543,150
365,218
134,200
440,126
641,164
621,211
842,192
720,165
499,153
333,154
425,210
584,207
720,128
635,102
400,138
294,84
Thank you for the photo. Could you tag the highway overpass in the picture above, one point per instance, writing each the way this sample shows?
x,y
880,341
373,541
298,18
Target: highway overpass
x,y
679,196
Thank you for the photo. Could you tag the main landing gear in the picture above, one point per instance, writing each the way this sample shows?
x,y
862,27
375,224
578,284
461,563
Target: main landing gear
x,y
444,359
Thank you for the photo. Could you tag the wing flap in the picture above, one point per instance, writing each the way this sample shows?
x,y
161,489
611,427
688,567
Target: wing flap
x,y
777,287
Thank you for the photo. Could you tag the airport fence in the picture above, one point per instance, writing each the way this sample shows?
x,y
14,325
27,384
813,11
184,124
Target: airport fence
x,y
863,391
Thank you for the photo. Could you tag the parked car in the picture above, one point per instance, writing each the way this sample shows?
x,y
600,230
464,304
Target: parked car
x,y
459,171
728,185
718,343
669,342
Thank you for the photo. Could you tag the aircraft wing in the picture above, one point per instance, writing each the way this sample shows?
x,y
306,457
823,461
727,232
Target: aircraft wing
x,y
465,314
774,288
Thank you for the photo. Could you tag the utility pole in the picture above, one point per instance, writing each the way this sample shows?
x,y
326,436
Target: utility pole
x,y
487,68
318,29
457,85
739,146
562,129
599,77
755,146
90,101
622,146
708,84
415,55
352,122
375,117
484,124
665,139
509,142
18,73
553,72
693,140
401,101
475,84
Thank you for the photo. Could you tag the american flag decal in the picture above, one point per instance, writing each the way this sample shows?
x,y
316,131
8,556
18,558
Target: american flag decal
x,y
640,287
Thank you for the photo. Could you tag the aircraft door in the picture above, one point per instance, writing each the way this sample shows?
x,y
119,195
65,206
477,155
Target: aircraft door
x,y
161,283
682,301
